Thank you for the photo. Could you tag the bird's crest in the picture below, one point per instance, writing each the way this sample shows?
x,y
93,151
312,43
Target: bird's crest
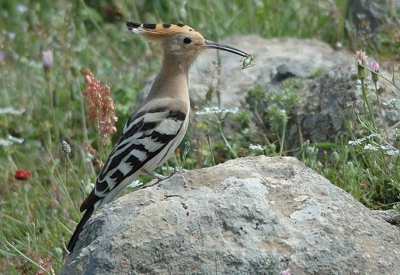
x,y
157,31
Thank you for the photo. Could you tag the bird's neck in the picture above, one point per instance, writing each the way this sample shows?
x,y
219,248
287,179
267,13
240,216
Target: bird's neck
x,y
172,80
177,64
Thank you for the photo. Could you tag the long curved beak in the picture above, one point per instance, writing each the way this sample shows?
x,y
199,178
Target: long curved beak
x,y
223,47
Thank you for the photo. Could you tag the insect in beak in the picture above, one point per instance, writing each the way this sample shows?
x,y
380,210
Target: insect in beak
x,y
248,62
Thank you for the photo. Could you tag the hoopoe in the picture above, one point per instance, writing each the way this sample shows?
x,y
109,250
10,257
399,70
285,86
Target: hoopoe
x,y
156,128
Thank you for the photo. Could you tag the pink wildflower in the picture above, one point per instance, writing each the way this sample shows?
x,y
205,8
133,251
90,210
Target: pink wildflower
x,y
375,70
47,59
374,66
361,60
361,57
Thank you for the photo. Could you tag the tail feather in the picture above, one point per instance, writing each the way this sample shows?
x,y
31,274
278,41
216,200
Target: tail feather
x,y
79,228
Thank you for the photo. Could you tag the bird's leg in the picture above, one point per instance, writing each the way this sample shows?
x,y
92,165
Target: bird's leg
x,y
159,177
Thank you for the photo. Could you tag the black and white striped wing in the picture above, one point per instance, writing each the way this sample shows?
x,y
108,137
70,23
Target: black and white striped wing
x,y
148,139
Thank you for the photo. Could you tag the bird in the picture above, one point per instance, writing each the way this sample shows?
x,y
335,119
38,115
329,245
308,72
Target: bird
x,y
156,128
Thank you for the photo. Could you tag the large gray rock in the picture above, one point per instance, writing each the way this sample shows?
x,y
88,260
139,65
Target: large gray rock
x,y
255,215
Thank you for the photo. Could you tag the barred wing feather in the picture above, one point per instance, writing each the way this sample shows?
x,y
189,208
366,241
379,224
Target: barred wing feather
x,y
148,139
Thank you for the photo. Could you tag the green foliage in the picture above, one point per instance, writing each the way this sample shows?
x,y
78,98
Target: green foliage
x,y
271,109
45,107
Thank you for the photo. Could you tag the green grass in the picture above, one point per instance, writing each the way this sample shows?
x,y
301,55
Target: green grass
x,y
38,215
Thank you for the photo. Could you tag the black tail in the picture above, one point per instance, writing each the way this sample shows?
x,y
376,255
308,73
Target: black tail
x,y
79,228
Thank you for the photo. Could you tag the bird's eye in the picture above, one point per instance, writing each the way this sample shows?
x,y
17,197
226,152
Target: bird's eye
x,y
187,40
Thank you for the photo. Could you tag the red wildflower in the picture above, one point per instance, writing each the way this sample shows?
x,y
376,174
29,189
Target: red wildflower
x,y
22,175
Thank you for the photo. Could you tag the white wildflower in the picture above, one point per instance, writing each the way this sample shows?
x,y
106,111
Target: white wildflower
x,y
352,143
5,143
15,139
256,147
10,141
370,147
361,140
12,111
391,102
393,153
22,8
135,183
387,147
216,110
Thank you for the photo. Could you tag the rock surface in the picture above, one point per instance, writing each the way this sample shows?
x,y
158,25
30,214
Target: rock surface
x,y
254,215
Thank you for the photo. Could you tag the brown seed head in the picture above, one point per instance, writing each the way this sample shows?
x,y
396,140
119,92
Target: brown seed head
x,y
100,105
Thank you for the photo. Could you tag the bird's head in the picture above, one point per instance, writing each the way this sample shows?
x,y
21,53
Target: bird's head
x,y
179,40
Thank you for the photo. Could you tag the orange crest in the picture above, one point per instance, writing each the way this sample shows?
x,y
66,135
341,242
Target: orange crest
x,y
157,31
